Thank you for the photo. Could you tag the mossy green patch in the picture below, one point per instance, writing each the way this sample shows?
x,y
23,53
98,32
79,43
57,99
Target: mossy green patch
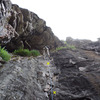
x,y
4,54
26,52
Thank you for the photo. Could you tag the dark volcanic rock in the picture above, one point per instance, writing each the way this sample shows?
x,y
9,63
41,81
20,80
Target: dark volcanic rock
x,y
25,29
94,46
79,78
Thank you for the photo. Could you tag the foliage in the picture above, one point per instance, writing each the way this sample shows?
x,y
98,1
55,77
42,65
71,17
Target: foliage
x,y
26,52
70,46
35,52
66,46
22,52
60,48
4,54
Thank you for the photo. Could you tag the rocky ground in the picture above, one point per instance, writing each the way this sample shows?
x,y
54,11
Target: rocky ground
x,y
27,78
73,74
85,44
80,75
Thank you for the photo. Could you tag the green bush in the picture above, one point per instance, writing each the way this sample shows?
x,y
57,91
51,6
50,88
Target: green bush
x,y
22,52
35,52
26,52
4,54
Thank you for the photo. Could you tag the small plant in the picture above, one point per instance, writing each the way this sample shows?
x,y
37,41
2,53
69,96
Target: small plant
x,y
67,46
35,52
26,52
60,48
70,46
4,54
22,52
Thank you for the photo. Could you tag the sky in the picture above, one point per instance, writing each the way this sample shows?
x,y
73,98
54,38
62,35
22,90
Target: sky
x,y
75,18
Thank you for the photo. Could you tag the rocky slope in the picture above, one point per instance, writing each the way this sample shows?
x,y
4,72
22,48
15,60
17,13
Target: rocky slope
x,y
80,75
22,28
73,74
79,43
85,44
26,78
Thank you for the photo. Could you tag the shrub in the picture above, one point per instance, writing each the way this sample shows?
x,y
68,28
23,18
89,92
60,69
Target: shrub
x,y
22,52
4,54
26,52
35,52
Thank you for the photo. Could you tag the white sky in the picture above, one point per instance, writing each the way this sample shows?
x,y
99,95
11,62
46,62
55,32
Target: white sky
x,y
75,18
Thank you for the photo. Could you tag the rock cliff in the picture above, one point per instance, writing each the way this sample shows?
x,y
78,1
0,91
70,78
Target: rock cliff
x,y
74,74
20,27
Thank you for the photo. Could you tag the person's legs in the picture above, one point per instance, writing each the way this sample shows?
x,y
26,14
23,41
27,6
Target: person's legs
x,y
44,54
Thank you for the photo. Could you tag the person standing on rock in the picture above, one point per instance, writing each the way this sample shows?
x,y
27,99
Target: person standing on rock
x,y
46,52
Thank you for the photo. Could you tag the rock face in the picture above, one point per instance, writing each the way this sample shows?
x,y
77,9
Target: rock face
x,y
6,30
23,27
73,74
80,75
26,78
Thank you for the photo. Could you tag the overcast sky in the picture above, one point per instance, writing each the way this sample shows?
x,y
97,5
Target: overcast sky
x,y
75,18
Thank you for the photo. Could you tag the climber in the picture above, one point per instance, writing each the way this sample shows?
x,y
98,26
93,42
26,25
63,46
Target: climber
x,y
46,52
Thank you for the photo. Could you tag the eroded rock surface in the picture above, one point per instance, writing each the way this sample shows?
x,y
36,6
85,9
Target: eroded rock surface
x,y
26,78
75,74
79,77
21,27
